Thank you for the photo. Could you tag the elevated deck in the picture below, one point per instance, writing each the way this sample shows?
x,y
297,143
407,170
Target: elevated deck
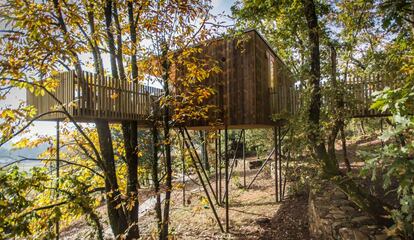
x,y
105,98
253,88
360,93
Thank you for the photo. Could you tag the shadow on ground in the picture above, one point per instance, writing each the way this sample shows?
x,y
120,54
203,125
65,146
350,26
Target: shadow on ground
x,y
290,222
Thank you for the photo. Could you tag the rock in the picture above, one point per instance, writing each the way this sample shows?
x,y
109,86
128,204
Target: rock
x,y
263,221
373,227
348,209
381,236
339,195
338,225
338,216
358,235
336,211
346,234
341,202
361,220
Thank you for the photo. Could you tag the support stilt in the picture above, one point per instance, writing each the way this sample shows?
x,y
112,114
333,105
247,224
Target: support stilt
x,y
183,173
261,168
220,172
199,161
226,169
275,130
280,164
244,158
382,130
234,159
216,167
57,171
202,181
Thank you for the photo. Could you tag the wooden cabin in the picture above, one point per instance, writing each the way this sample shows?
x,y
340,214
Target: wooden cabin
x,y
253,85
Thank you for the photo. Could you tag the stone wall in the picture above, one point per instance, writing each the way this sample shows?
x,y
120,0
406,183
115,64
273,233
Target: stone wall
x,y
333,216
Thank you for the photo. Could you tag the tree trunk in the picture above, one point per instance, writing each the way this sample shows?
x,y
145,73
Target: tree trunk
x,y
116,215
130,132
122,216
167,146
344,149
368,203
155,179
204,150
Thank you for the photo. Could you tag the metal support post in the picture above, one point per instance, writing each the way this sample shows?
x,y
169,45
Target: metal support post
x,y
226,169
216,166
57,171
244,158
199,161
261,168
276,161
220,173
202,181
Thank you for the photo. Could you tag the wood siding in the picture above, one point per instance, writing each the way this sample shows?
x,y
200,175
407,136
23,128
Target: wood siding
x,y
244,93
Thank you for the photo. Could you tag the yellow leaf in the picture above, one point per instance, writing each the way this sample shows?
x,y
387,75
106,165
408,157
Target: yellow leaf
x,y
114,95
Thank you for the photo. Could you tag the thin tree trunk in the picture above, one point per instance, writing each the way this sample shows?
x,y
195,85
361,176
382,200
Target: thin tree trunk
x,y
117,216
130,133
344,149
362,127
155,179
204,150
117,219
115,211
167,147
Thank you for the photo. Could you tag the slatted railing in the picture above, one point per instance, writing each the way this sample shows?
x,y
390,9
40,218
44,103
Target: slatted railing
x,y
358,97
97,97
360,93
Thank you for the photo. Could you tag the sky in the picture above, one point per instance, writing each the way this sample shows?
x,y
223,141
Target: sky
x,y
49,128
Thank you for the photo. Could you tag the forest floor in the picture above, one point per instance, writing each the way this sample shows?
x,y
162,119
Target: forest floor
x,y
253,213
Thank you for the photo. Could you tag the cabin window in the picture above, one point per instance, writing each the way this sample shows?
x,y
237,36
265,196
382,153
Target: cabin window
x,y
271,71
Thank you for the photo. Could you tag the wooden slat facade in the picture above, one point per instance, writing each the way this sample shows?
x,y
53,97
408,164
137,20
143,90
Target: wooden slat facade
x,y
253,84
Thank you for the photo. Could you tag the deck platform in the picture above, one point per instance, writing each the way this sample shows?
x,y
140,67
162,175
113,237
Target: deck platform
x,y
105,98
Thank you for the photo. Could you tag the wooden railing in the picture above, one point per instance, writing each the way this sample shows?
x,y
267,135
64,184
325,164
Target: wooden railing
x,y
359,93
358,96
97,97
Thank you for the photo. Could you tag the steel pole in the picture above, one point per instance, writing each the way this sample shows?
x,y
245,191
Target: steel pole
x,y
57,171
244,158
226,169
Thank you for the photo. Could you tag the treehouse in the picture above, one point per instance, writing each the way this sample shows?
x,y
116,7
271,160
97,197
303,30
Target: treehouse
x,y
253,85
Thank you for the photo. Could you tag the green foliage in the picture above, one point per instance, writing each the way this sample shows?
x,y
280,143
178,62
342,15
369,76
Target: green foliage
x,y
259,141
395,159
16,203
